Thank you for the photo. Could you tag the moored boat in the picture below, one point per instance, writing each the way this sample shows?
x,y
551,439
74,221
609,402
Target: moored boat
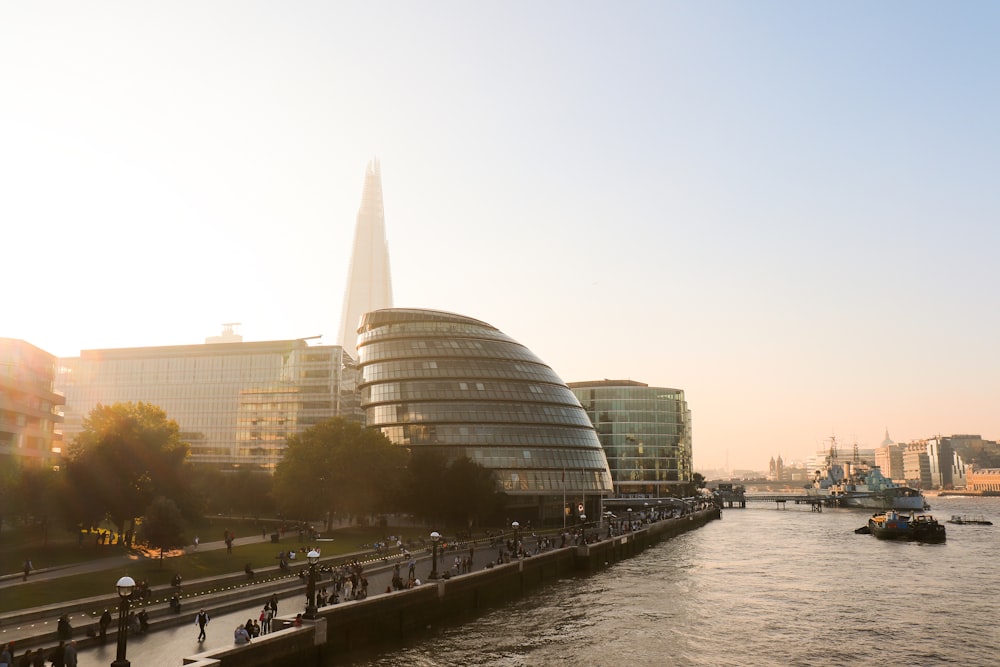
x,y
965,519
892,525
858,484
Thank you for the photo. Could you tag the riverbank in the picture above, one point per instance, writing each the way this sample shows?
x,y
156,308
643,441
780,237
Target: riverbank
x,y
393,616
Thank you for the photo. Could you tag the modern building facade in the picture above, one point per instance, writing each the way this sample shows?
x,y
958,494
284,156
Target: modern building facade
x,y
450,383
369,281
646,435
30,408
236,403
984,480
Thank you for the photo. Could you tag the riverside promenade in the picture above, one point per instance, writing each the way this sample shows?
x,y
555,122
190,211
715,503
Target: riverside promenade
x,y
383,617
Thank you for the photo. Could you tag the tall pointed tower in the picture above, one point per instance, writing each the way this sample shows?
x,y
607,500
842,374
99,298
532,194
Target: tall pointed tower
x,y
369,283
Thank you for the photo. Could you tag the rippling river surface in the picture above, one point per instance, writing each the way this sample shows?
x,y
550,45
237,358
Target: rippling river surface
x,y
763,586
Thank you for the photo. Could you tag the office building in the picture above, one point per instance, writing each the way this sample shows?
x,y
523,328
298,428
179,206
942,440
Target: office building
x,y
450,383
369,281
30,409
645,432
236,403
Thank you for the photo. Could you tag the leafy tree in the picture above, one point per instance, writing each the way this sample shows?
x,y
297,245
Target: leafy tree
x,y
698,480
337,466
471,492
461,492
425,494
126,455
162,526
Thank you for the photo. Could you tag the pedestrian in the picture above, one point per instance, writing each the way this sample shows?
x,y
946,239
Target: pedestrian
x,y
7,655
63,628
202,620
57,657
241,636
70,654
102,625
26,659
28,567
38,660
195,541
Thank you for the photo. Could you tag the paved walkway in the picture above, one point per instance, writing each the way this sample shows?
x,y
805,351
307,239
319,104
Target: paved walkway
x,y
33,628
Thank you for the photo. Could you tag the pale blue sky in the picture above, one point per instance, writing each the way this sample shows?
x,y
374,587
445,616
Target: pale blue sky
x,y
787,209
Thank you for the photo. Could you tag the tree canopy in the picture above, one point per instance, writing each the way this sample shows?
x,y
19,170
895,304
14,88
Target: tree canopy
x,y
461,492
126,455
162,526
338,467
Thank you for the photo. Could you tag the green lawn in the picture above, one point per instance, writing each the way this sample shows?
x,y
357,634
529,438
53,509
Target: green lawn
x,y
64,549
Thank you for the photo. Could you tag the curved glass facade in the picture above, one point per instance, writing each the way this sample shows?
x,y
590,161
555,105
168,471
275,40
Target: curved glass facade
x,y
439,380
645,431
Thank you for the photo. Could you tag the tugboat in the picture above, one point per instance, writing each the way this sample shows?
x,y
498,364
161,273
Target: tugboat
x,y
892,525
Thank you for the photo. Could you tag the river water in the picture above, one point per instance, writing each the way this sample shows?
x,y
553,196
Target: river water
x,y
763,586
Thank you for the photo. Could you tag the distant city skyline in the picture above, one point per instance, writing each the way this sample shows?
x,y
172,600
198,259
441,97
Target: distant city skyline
x,y
785,209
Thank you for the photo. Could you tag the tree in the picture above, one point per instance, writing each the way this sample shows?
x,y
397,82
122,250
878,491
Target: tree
x,y
162,526
460,492
424,494
337,466
471,492
126,455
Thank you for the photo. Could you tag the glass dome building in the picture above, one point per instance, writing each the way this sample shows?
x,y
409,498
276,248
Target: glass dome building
x,y
433,379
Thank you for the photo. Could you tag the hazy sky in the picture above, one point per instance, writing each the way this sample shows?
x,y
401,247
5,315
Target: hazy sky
x,y
787,209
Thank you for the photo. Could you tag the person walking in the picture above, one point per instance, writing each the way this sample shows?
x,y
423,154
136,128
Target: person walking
x,y
69,655
202,620
28,567
7,655
102,625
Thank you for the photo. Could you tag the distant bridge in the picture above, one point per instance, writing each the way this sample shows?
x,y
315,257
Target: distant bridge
x,y
739,499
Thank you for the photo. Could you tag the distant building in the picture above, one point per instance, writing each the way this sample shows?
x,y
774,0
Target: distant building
x,y
917,466
889,459
645,432
947,467
369,280
984,480
236,403
29,406
780,471
443,382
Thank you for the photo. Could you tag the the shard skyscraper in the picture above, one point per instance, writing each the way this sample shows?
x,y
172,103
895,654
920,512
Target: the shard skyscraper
x,y
369,283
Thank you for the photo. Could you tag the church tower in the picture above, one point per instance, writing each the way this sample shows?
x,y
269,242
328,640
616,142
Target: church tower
x,y
369,283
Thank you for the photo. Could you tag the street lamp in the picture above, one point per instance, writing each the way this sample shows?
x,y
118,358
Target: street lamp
x,y
435,537
583,528
313,558
629,510
125,587
515,525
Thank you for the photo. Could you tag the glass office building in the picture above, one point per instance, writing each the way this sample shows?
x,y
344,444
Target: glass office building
x,y
432,379
236,403
645,431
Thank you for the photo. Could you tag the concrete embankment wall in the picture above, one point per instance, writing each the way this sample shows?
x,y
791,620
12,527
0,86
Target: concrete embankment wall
x,y
388,618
